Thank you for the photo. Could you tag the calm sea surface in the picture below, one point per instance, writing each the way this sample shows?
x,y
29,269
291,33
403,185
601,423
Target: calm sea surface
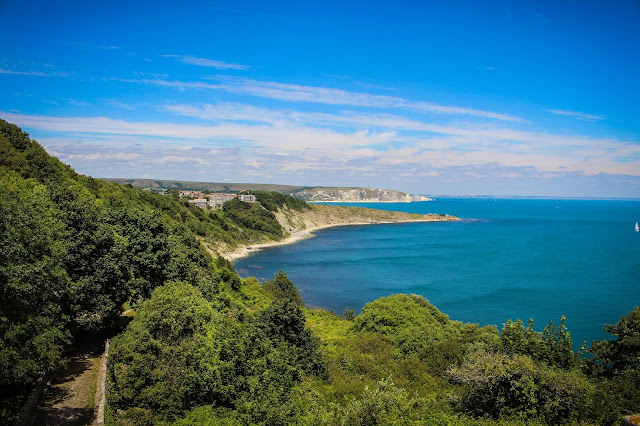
x,y
507,258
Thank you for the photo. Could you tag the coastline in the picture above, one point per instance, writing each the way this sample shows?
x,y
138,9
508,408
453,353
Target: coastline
x,y
368,201
294,237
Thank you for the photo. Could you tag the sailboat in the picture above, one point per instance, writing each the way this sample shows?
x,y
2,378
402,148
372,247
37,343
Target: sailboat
x,y
637,228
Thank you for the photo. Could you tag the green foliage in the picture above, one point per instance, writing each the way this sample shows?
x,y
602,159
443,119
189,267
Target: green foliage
x,y
273,201
34,285
179,353
282,288
284,322
614,357
514,386
349,314
73,249
253,216
230,278
153,365
416,327
385,404
23,155
557,345
398,313
552,346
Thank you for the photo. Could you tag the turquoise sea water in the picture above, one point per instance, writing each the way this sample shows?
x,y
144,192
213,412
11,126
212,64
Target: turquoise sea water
x,y
507,258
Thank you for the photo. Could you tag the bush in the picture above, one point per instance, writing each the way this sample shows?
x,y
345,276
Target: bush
x,y
514,386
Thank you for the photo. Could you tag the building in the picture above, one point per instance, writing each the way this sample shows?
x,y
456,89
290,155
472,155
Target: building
x,y
199,202
247,198
192,194
217,199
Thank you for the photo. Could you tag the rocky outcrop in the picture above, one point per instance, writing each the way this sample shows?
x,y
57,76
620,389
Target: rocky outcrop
x,y
356,195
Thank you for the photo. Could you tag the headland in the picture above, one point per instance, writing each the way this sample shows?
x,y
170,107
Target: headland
x,y
300,225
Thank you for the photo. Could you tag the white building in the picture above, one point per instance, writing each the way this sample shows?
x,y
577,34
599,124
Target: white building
x,y
217,199
247,198
199,202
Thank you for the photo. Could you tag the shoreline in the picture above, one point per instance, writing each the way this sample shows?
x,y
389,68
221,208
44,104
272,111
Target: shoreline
x,y
369,202
294,237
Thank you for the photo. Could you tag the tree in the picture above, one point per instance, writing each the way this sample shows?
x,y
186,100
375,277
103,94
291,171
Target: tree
x,y
552,346
283,288
35,289
614,357
557,341
154,364
284,322
512,337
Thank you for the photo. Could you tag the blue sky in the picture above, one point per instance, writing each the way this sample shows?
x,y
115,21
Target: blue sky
x,y
456,97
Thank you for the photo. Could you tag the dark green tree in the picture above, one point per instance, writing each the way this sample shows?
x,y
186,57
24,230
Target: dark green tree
x,y
35,287
283,288
154,363
284,322
615,356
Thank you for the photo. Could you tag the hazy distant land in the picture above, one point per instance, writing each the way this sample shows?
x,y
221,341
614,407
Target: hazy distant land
x,y
312,194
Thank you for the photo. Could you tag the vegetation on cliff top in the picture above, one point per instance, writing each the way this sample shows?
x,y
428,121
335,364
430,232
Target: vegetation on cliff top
x,y
208,347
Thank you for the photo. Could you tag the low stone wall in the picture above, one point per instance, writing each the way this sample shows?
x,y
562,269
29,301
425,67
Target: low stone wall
x,y
29,410
100,399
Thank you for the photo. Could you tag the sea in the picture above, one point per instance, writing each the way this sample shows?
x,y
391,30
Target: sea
x,y
505,259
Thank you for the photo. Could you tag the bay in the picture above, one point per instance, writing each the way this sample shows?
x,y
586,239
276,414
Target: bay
x,y
506,258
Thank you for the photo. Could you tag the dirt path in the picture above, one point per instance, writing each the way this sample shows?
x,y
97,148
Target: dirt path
x,y
70,396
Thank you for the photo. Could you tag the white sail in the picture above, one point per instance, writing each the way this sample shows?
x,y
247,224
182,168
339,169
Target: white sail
x,y
637,228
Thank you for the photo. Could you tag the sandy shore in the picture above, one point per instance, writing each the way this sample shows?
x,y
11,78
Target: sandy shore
x,y
296,236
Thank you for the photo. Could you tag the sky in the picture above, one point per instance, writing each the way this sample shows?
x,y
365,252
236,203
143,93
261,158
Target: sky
x,y
534,98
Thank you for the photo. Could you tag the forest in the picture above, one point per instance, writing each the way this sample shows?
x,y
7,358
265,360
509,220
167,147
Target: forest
x,y
206,346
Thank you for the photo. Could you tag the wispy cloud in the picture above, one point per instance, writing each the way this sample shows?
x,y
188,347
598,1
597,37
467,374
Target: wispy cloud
x,y
36,73
579,115
323,95
211,63
84,45
33,73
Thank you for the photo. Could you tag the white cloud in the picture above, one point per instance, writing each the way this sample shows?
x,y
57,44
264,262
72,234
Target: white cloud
x,y
211,63
33,73
579,115
324,95
290,138
472,139
331,96
36,73
283,140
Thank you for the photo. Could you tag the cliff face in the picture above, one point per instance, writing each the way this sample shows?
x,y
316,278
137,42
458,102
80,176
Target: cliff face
x,y
352,195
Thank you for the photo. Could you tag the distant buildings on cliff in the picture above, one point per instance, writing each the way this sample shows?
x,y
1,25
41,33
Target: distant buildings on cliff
x,y
216,199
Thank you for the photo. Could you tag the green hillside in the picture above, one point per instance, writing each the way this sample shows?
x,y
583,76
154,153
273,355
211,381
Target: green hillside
x,y
208,347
